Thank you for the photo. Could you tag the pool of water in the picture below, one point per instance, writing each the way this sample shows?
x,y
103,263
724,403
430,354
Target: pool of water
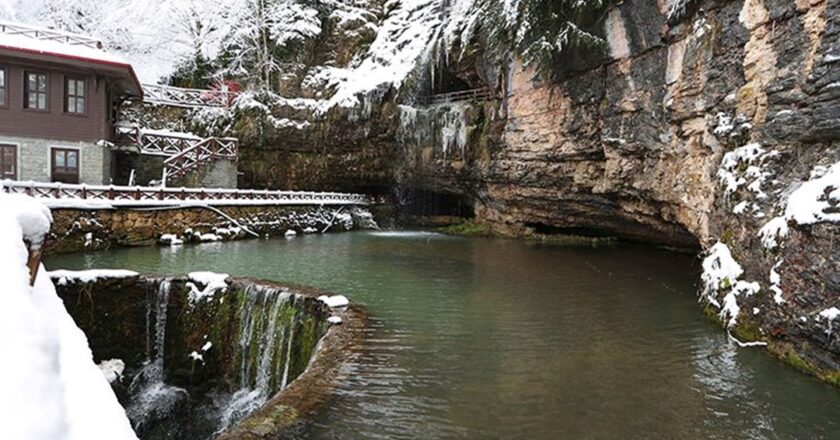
x,y
482,338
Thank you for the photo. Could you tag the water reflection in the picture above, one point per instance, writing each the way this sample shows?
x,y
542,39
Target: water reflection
x,y
476,338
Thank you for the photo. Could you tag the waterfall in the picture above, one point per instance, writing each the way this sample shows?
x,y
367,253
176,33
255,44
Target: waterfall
x,y
151,398
270,339
266,336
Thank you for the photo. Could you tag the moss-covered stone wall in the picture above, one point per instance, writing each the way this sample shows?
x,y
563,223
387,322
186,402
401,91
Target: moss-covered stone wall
x,y
77,230
234,330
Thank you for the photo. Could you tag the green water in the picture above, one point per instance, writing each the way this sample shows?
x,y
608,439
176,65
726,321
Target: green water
x,y
479,338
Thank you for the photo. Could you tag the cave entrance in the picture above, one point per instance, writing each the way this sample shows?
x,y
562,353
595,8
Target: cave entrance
x,y
419,207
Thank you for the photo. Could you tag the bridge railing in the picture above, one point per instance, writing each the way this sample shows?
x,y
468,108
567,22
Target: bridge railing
x,y
482,94
198,154
152,142
80,195
37,33
182,97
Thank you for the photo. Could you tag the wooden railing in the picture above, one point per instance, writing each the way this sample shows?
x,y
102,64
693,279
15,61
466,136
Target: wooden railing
x,y
181,97
78,195
197,155
154,143
10,28
482,94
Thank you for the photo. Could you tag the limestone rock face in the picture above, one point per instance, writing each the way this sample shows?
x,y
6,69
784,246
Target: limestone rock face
x,y
694,131
686,131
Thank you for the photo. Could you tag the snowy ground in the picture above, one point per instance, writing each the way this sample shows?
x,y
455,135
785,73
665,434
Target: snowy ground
x,y
50,388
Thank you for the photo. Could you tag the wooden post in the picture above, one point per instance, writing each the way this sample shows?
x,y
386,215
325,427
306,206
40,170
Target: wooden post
x,y
33,262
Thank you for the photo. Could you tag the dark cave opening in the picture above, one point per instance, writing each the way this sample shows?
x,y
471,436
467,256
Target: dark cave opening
x,y
414,202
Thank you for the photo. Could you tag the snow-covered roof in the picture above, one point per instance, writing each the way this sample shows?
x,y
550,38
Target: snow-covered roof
x,y
69,48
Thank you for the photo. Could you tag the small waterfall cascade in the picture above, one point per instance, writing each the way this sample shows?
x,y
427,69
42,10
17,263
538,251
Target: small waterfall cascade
x,y
275,342
254,341
151,398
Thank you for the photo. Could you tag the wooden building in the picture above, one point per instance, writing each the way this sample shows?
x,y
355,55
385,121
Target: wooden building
x,y
59,98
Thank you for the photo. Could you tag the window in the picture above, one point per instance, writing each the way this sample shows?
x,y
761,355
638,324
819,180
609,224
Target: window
x,y
8,162
65,165
36,91
2,86
74,95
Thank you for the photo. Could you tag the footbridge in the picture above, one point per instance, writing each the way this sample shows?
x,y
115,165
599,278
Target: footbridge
x,y
61,195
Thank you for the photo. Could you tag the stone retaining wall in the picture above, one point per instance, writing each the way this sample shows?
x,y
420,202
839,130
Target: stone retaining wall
x,y
76,230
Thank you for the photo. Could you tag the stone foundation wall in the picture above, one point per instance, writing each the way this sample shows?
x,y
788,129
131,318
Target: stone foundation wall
x,y
77,230
34,159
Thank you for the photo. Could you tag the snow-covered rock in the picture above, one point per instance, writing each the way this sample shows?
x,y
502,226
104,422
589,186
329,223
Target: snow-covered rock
x,y
112,369
171,239
212,282
334,301
64,277
812,202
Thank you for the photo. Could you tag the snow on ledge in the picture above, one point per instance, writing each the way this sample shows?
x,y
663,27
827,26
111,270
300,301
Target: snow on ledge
x,y
65,277
212,282
807,205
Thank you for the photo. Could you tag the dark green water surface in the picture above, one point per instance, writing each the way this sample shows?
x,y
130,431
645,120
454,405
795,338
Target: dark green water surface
x,y
480,338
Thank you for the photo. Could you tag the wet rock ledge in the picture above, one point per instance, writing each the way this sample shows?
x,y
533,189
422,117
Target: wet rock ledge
x,y
205,356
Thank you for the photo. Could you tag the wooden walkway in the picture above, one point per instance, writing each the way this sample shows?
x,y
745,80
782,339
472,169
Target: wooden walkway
x,y
474,95
93,196
187,98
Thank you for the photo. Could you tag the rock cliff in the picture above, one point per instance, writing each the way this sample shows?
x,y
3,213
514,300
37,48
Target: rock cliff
x,y
709,125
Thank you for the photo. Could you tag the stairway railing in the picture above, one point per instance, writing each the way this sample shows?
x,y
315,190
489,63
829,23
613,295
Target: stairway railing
x,y
197,155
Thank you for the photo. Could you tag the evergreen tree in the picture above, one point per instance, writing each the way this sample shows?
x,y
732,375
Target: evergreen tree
x,y
539,31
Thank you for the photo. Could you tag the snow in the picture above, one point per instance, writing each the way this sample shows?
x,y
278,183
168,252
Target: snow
x,y
225,197
334,320
33,217
196,357
721,272
208,345
112,369
335,301
65,277
290,233
52,47
752,156
209,237
404,39
212,282
52,389
724,124
830,315
810,203
776,282
745,344
171,239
